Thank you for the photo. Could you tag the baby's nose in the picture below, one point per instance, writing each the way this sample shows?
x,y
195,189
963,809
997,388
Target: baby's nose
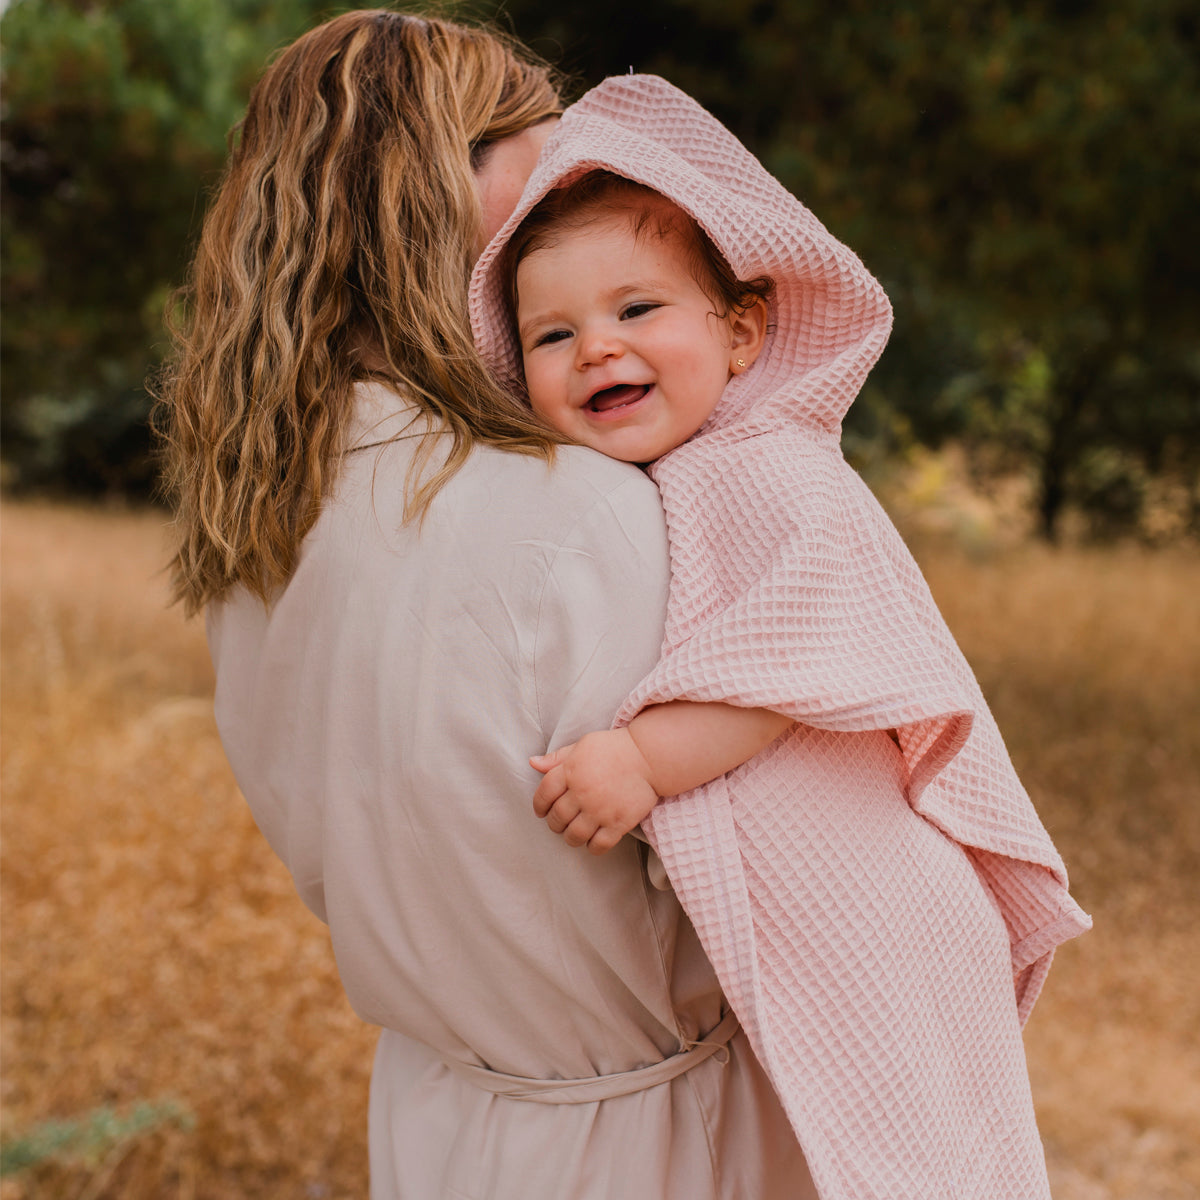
x,y
596,345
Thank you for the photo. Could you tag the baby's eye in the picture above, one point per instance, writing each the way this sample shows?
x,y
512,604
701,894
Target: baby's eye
x,y
550,337
639,309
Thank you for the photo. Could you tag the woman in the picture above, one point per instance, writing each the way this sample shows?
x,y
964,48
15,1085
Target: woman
x,y
409,590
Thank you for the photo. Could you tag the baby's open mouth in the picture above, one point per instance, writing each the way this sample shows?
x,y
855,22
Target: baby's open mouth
x,y
617,397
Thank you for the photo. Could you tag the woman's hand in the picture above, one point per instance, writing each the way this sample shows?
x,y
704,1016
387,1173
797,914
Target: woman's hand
x,y
595,790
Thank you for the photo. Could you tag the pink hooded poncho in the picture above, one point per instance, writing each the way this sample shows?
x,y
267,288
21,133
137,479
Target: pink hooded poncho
x,y
835,879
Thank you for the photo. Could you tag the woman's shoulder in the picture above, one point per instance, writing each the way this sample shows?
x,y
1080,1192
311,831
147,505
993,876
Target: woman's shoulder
x,y
496,492
580,495
577,476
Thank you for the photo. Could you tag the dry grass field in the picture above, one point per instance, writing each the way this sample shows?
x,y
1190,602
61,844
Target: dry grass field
x,y
154,953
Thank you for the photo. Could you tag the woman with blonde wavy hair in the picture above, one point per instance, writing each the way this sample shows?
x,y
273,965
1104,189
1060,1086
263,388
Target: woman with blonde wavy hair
x,y
411,586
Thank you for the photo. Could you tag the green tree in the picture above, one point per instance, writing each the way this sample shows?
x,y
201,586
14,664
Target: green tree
x,y
114,122
1024,178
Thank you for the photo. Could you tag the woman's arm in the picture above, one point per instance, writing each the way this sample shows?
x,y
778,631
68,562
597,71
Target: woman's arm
x,y
598,789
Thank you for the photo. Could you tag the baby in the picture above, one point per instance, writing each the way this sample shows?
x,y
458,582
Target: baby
x,y
811,757
630,326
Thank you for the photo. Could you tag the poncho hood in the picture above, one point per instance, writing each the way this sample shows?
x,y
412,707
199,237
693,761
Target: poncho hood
x,y
829,318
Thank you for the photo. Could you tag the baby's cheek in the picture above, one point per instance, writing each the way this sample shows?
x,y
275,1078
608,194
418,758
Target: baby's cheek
x,y
544,399
538,404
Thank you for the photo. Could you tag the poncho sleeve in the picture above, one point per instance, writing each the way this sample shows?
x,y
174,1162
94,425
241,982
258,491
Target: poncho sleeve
x,y
782,597
791,590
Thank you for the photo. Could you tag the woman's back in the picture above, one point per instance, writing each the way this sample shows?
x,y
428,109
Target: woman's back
x,y
379,719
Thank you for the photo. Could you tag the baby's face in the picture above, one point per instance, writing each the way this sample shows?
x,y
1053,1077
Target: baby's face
x,y
622,348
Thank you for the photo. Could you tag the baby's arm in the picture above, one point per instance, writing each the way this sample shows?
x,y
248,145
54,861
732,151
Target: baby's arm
x,y
598,789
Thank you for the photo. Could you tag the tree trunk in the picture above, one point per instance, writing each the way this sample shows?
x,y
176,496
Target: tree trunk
x,y
1052,482
1066,440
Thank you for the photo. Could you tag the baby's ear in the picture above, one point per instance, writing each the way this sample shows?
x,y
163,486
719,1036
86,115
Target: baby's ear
x,y
748,327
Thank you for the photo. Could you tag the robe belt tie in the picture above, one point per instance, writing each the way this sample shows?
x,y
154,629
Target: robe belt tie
x,y
599,1087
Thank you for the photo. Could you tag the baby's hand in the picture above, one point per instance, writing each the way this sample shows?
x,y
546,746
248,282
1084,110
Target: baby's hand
x,y
596,790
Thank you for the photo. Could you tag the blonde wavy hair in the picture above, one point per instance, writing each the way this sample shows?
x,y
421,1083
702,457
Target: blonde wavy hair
x,y
338,247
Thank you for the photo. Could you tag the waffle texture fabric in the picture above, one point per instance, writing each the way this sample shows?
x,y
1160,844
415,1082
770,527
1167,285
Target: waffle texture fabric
x,y
880,911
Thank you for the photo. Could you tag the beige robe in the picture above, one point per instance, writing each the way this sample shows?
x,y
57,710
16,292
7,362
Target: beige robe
x,y
379,719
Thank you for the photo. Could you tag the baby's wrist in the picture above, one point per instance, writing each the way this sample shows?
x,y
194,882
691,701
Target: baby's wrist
x,y
642,764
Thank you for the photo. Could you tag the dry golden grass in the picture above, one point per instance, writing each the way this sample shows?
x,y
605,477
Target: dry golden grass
x,y
1091,661
153,947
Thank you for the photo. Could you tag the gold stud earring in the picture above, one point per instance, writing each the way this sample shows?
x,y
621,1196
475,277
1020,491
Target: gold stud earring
x,y
741,362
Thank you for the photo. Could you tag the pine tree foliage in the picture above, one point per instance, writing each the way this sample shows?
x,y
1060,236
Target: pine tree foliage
x,y
1024,178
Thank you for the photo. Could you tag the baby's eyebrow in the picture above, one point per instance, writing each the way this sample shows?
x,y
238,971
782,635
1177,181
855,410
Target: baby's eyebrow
x,y
549,317
642,285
